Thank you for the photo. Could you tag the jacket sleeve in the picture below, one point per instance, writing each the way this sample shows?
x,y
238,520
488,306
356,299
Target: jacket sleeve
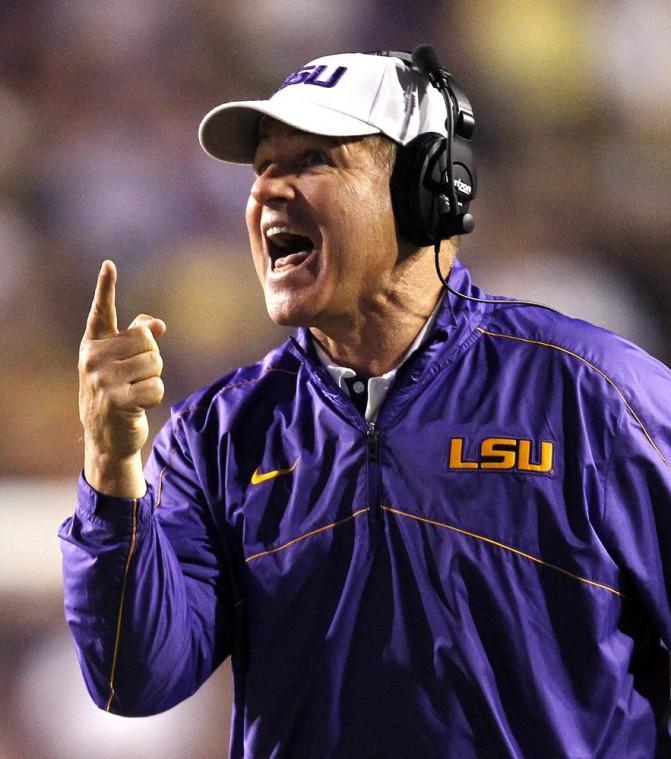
x,y
148,595
637,499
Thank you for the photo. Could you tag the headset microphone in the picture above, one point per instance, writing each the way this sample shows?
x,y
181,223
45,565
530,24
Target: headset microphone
x,y
426,60
434,180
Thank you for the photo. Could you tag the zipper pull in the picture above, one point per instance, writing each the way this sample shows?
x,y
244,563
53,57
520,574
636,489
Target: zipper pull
x,y
374,475
373,442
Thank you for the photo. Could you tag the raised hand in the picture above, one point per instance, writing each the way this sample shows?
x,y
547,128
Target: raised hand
x,y
119,378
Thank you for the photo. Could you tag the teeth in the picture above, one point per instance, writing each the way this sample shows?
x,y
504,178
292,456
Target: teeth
x,y
278,230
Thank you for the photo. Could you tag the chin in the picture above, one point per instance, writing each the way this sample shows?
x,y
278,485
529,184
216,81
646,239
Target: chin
x,y
288,313
298,303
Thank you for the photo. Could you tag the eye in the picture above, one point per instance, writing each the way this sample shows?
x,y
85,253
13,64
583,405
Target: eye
x,y
315,158
260,167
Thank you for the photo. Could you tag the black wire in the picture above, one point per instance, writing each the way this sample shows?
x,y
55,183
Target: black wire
x,y
505,301
449,126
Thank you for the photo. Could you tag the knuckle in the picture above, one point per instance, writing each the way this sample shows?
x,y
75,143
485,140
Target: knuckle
x,y
146,393
156,390
88,361
155,385
144,336
146,333
160,391
97,388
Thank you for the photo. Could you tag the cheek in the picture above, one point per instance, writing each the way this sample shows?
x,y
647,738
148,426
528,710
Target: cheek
x,y
253,221
370,223
381,203
372,196
252,216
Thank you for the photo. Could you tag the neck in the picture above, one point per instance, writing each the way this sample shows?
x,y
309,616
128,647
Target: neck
x,y
374,337
378,339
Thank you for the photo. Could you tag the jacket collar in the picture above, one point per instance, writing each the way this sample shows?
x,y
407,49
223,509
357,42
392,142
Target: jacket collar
x,y
452,331
455,320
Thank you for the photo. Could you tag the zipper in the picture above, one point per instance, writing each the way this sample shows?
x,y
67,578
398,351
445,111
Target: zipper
x,y
120,613
373,466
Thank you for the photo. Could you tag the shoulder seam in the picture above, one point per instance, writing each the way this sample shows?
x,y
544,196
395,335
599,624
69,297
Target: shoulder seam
x,y
600,372
189,409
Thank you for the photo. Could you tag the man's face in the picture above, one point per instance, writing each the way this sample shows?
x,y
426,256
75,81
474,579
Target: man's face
x,y
321,227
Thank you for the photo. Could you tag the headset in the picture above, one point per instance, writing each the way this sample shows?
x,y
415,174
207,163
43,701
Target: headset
x,y
434,179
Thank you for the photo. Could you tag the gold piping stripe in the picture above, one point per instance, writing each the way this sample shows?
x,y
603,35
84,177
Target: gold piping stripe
x,y
131,550
507,548
160,478
592,366
307,535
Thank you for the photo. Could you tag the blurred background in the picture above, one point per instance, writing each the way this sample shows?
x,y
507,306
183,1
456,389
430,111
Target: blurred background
x,y
99,107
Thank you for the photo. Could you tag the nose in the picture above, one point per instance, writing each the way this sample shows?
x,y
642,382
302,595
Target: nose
x,y
272,184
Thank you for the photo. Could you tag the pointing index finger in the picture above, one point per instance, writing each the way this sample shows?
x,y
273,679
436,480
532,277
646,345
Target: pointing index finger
x,y
102,321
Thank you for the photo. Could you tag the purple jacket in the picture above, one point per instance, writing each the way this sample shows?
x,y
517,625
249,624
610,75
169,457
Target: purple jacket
x,y
486,572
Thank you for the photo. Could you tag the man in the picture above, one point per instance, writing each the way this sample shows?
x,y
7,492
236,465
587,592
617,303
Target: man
x,y
425,526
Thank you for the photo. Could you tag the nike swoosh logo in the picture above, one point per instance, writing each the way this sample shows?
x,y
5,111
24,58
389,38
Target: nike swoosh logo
x,y
259,477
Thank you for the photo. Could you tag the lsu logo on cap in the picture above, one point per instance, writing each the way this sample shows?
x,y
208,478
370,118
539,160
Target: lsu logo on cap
x,y
317,75
504,454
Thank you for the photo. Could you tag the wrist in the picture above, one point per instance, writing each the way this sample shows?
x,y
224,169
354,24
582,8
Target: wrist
x,y
120,477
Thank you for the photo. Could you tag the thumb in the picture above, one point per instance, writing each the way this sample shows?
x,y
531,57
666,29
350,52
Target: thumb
x,y
156,326
102,321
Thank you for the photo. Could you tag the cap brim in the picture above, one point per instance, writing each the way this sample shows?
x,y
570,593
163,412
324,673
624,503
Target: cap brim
x,y
230,131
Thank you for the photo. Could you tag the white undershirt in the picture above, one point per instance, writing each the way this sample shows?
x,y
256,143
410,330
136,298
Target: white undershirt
x,y
377,386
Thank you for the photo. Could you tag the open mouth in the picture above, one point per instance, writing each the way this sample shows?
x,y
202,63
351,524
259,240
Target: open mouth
x,y
287,248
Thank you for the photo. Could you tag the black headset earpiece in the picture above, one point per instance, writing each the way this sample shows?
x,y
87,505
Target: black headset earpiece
x,y
434,180
415,193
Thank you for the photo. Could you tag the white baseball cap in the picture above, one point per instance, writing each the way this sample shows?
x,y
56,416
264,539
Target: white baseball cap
x,y
345,95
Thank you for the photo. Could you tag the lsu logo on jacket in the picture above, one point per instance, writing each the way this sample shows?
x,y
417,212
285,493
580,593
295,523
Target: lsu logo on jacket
x,y
503,454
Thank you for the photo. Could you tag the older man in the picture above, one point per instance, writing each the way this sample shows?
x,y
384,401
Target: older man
x,y
428,525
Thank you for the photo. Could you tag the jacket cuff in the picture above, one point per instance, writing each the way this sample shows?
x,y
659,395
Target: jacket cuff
x,y
96,507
